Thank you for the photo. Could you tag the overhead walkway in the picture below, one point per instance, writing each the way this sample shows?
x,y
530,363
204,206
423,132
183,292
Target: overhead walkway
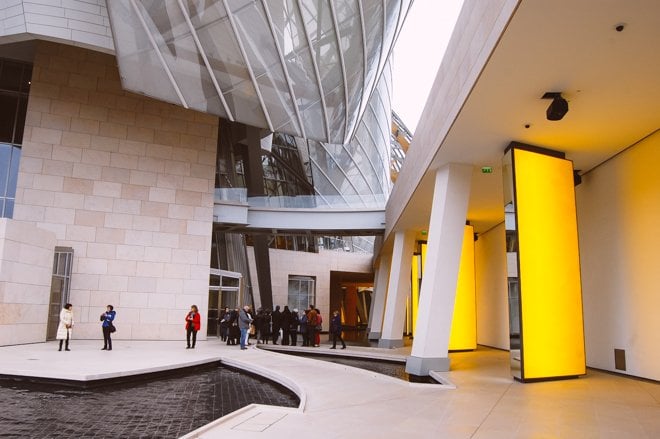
x,y
340,215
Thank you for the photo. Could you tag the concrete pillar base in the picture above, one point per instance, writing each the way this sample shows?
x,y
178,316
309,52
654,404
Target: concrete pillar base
x,y
421,366
390,344
374,336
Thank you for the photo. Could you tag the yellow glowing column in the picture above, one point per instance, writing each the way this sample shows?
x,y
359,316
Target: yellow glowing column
x,y
545,284
464,321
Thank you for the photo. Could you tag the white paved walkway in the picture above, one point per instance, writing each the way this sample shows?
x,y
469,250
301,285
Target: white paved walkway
x,y
342,402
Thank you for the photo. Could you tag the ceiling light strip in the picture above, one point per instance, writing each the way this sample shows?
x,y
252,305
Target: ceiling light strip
x,y
234,27
201,51
289,83
145,27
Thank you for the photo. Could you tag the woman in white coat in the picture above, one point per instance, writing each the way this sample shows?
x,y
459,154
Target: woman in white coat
x,y
66,326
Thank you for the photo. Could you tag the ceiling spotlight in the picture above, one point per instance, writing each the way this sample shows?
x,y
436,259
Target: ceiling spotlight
x,y
558,107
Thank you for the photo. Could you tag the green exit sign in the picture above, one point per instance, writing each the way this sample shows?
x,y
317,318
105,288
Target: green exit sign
x,y
487,170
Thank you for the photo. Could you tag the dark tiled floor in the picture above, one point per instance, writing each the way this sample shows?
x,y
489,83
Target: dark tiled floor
x,y
164,408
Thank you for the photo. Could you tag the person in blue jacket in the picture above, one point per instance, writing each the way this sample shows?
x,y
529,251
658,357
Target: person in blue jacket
x,y
107,317
335,330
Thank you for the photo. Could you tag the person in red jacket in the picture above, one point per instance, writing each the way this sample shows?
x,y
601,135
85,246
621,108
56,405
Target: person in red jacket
x,y
193,324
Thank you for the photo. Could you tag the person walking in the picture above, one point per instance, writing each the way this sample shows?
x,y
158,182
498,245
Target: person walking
x,y
244,320
108,328
193,324
335,330
65,328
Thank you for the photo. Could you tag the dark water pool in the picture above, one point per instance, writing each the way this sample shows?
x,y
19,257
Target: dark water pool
x,y
159,408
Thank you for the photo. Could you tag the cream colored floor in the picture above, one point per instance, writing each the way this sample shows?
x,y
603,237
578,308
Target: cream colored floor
x,y
342,402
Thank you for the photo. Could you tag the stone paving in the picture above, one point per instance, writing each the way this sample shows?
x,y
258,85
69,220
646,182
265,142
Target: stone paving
x,y
160,408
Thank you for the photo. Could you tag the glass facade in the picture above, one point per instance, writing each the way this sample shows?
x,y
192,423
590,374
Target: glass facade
x,y
305,68
15,78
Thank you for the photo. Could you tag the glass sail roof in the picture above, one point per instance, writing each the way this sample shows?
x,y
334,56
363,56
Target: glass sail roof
x,y
302,67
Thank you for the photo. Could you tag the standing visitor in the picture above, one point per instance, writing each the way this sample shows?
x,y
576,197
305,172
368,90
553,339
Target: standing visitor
x,y
108,327
319,328
293,327
234,333
303,329
244,320
335,330
286,325
193,324
312,321
277,323
224,323
65,328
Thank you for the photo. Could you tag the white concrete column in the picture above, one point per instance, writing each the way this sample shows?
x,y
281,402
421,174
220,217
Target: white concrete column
x,y
379,296
436,301
398,289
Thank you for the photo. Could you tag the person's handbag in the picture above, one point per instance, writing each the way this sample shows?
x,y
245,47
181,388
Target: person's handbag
x,y
252,329
112,328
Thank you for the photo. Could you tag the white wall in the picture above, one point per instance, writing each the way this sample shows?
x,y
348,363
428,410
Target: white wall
x,y
618,216
491,289
26,264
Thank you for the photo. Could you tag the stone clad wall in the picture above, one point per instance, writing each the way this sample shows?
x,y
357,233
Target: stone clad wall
x,y
26,264
125,180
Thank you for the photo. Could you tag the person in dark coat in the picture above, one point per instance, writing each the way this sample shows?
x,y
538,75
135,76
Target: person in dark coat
x,y
107,318
293,327
224,324
335,330
303,329
277,323
234,332
264,327
286,325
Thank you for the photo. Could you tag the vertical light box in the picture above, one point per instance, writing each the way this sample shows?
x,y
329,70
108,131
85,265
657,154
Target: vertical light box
x,y
543,265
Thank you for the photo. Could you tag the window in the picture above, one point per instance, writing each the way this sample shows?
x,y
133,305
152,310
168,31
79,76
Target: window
x,y
302,292
15,80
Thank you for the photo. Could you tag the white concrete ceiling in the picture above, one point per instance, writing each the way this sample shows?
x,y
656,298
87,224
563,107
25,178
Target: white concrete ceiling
x,y
611,80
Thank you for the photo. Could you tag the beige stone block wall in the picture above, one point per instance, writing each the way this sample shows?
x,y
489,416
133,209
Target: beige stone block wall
x,y
125,180
26,263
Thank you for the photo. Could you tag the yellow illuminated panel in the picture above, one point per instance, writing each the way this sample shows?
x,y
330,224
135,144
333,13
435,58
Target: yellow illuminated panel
x,y
549,267
463,334
415,289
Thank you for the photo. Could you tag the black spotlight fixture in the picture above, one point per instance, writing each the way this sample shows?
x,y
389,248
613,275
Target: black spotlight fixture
x,y
558,107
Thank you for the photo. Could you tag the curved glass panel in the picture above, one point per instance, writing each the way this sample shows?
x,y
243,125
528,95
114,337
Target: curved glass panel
x,y
316,84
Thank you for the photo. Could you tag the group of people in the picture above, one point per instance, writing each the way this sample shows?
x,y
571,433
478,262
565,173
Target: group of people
x,y
65,327
236,326
283,326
